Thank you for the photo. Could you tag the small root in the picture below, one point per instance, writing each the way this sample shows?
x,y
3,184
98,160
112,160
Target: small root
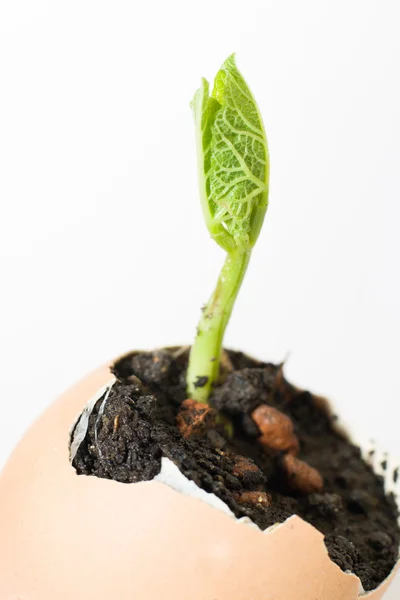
x,y
116,424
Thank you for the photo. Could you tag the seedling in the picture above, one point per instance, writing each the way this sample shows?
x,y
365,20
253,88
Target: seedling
x,y
233,170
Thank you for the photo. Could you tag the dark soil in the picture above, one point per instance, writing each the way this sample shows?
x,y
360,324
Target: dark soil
x,y
139,426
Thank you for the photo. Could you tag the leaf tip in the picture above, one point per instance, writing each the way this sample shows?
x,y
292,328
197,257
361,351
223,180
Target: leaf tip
x,y
199,93
230,61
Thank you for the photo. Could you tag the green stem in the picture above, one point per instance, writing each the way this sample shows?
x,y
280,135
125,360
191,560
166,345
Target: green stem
x,y
206,351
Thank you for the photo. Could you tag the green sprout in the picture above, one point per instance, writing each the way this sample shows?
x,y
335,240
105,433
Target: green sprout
x,y
233,167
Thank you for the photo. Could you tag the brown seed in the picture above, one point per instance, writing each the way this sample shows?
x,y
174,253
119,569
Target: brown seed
x,y
195,418
290,444
260,498
276,429
243,466
301,476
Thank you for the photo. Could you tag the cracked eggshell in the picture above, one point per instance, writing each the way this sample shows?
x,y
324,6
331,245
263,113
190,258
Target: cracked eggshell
x,y
72,537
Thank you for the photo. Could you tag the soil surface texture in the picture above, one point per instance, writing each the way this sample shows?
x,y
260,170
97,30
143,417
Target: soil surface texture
x,y
271,451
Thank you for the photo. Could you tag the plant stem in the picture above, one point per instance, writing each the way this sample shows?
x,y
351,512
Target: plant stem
x,y
205,354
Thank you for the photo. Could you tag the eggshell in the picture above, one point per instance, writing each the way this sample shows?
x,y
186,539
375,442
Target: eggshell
x,y
70,537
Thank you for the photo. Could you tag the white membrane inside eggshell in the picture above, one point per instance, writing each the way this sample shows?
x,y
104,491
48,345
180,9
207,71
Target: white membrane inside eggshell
x,y
171,475
80,427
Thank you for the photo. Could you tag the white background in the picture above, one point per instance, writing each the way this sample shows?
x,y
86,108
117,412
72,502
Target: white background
x,y
102,244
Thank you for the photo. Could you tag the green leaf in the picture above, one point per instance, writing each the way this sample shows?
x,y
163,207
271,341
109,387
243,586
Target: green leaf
x,y
232,159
